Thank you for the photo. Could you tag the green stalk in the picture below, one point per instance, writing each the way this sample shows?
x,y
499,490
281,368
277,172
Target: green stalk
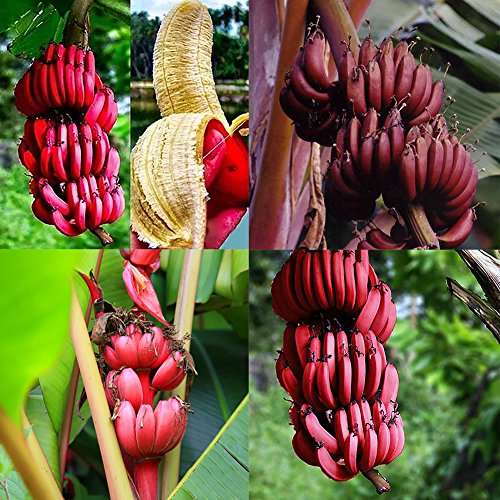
x,y
40,484
65,431
116,474
76,30
35,449
183,321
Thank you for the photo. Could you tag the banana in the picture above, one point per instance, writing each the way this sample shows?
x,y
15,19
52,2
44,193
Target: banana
x,y
341,427
329,353
356,90
289,296
407,173
330,468
422,84
59,172
338,278
89,87
65,227
345,380
433,106
169,154
83,189
369,450
400,51
361,274
280,305
319,434
353,138
182,67
118,205
389,325
350,282
302,89
28,160
388,77
314,66
383,443
69,79
393,442
86,147
100,150
107,207
374,85
109,114
374,366
42,211
290,350
420,164
380,318
292,385
366,412
358,362
367,51
318,282
280,366
302,339
340,186
96,107
309,380
79,88
435,163
447,165
346,67
379,240
382,157
324,132
350,453
355,421
379,413
400,440
304,447
294,109
56,96
89,63
324,385
457,233
404,76
390,385
341,347
46,163
369,311
307,271
326,269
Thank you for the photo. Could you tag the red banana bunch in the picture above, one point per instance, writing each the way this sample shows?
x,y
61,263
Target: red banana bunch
x,y
332,362
65,146
148,433
382,119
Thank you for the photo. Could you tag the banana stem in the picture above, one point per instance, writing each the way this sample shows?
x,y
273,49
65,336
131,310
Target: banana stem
x,y
104,237
380,482
338,27
420,227
35,448
76,30
116,475
146,478
271,199
183,320
65,431
40,485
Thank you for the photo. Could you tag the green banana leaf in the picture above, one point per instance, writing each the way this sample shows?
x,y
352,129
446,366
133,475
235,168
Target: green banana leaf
x,y
223,469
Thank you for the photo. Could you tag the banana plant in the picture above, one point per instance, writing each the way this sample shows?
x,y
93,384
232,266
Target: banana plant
x,y
51,446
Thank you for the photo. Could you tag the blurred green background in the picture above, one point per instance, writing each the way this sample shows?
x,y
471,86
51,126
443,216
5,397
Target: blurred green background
x,y
230,68
449,395
25,28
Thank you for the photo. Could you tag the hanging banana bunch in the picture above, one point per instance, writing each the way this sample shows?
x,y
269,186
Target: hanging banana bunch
x,y
190,168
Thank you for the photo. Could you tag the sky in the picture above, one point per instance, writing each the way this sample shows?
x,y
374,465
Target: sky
x,y
160,7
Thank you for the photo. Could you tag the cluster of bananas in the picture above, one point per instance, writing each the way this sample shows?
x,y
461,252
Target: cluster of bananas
x,y
382,119
65,146
189,175
333,363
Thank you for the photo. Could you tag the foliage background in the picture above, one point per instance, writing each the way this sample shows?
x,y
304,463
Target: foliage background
x,y
110,41
449,395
